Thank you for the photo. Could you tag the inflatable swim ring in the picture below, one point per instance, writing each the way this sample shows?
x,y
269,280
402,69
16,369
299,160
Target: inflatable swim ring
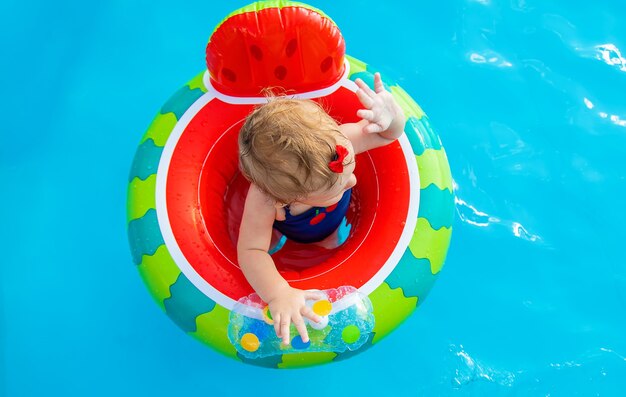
x,y
186,194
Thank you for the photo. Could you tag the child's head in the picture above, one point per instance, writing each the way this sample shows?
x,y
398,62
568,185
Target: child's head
x,y
285,147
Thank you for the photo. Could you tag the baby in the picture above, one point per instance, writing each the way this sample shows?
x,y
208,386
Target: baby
x,y
300,162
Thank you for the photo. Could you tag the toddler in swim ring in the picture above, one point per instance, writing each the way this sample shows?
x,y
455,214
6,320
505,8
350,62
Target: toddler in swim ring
x,y
300,163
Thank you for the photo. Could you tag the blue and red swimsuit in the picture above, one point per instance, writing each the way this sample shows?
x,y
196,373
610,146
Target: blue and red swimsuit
x,y
316,223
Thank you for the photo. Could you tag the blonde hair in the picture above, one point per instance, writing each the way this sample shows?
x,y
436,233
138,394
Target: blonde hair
x,y
285,147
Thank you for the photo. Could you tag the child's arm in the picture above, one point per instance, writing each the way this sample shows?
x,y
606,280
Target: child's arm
x,y
286,304
383,119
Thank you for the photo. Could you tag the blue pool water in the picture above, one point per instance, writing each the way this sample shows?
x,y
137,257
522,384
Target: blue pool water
x,y
528,97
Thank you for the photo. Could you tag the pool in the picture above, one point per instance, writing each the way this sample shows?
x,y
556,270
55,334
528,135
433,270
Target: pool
x,y
528,98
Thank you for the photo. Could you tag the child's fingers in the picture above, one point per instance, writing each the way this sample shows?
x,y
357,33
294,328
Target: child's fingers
x,y
277,324
372,128
310,314
366,88
365,99
313,295
365,114
285,321
378,83
301,327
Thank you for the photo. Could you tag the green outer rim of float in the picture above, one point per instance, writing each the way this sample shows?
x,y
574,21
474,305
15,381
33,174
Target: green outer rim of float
x,y
393,301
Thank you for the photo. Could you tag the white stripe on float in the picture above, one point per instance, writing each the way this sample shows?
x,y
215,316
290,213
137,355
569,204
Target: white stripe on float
x,y
206,79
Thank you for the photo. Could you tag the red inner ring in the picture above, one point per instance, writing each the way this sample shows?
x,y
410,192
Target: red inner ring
x,y
205,194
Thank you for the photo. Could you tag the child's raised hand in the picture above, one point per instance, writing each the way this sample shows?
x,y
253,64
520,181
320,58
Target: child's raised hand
x,y
380,106
289,306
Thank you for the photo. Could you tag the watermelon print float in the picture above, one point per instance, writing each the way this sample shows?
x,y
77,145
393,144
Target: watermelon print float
x,y
185,195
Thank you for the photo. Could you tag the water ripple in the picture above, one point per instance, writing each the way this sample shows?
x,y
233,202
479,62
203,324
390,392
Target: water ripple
x,y
613,118
469,214
489,57
569,376
611,55
607,350
469,370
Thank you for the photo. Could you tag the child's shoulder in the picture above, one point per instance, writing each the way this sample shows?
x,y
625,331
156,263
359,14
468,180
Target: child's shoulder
x,y
259,207
258,198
